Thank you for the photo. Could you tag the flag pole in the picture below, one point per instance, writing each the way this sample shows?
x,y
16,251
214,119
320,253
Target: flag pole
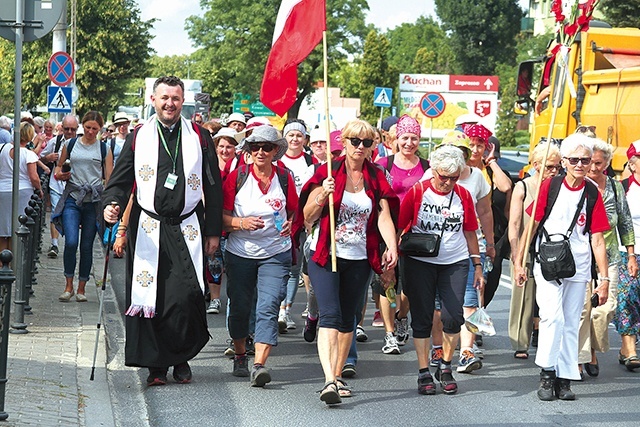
x,y
332,215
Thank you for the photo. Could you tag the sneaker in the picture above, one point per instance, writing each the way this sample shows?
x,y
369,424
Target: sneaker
x,y
562,389
402,330
250,346
310,329
361,335
436,356
230,351
477,351
546,388
426,385
214,306
349,370
259,376
447,382
240,366
290,323
377,320
182,373
53,252
390,344
157,376
468,362
305,312
282,323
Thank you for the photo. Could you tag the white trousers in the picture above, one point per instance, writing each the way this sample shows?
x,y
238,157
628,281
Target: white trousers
x,y
560,310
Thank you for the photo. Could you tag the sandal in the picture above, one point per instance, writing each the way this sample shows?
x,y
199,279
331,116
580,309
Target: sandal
x,y
329,393
521,354
343,390
631,362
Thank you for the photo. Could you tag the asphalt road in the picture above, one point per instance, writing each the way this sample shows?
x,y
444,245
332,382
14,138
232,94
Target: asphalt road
x,y
502,393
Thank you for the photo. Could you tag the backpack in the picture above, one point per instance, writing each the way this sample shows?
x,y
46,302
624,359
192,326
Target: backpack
x,y
625,184
72,143
308,158
283,178
423,162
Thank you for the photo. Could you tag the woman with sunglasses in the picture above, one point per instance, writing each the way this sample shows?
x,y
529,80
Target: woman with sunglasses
x,y
523,313
259,201
363,203
561,300
440,206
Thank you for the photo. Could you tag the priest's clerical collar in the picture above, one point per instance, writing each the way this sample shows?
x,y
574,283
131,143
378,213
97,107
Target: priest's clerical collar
x,y
168,128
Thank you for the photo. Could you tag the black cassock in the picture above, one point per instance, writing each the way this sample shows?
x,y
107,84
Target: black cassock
x,y
178,331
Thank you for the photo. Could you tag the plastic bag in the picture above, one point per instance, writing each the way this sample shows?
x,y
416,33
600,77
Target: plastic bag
x,y
480,323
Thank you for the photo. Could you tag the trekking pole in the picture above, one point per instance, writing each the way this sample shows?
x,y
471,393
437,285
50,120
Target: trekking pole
x,y
104,282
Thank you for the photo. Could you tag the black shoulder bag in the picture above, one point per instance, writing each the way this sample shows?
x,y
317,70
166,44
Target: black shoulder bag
x,y
423,244
555,258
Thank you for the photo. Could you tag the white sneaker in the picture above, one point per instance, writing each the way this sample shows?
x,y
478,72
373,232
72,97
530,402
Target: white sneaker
x,y
390,344
402,331
282,323
478,352
290,323
214,306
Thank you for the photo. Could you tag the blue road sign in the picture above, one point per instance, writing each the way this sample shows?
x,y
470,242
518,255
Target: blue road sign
x,y
382,97
432,104
61,69
59,99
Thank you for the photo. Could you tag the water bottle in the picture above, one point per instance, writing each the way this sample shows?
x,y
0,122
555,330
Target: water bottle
x,y
488,266
66,166
278,220
214,265
391,295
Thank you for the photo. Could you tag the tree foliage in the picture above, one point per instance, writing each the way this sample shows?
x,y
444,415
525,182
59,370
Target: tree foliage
x,y
235,41
622,13
482,32
374,72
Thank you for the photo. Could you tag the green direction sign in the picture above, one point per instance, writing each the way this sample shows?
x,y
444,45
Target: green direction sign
x,y
242,103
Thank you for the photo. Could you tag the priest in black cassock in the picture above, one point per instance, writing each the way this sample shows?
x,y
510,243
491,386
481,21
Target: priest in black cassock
x,y
171,167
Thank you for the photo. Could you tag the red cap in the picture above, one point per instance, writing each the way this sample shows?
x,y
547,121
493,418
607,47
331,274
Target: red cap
x,y
336,141
634,149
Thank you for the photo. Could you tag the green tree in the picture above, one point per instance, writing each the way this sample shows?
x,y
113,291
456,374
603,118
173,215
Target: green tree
x,y
374,72
424,40
482,32
622,13
346,76
235,41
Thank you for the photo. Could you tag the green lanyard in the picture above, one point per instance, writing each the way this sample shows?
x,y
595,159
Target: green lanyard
x,y
173,158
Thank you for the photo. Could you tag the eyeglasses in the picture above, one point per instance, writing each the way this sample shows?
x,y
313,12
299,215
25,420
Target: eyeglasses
x,y
368,142
551,168
69,129
111,130
318,143
446,178
267,148
574,160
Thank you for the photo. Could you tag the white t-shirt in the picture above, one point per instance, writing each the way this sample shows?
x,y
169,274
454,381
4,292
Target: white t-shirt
x,y
351,226
250,200
6,168
54,184
298,166
633,199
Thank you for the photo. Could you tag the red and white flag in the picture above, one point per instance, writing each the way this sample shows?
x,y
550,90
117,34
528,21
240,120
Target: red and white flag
x,y
298,31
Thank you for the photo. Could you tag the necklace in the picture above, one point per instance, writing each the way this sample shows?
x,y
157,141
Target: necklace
x,y
355,184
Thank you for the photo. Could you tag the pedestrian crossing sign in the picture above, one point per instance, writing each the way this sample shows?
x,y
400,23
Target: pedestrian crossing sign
x,y
382,97
59,99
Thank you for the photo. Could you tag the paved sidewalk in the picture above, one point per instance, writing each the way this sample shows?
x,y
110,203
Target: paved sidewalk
x,y
49,367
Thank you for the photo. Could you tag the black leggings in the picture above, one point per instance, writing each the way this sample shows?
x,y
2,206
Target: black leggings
x,y
421,281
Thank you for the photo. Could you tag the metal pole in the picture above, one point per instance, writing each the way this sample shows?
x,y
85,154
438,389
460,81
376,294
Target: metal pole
x,y
31,224
6,280
18,326
17,107
60,42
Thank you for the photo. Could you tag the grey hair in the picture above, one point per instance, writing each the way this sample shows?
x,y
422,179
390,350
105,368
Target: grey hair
x,y
5,122
574,142
541,149
51,122
448,159
39,121
604,148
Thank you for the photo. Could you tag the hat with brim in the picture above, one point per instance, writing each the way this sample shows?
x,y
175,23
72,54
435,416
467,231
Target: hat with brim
x,y
230,134
236,117
267,134
121,118
457,139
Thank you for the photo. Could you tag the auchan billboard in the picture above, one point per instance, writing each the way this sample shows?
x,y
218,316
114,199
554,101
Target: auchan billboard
x,y
463,94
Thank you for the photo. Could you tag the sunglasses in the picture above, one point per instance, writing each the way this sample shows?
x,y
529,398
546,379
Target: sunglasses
x,y
552,167
574,160
585,129
111,130
446,178
267,148
69,129
357,141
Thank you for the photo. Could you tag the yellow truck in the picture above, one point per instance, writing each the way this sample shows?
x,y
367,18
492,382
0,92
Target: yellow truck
x,y
604,67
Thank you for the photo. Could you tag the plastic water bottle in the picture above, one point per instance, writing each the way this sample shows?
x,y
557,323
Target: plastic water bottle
x,y
278,220
215,268
488,266
391,295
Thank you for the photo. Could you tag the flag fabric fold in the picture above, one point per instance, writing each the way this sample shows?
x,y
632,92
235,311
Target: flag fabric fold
x,y
298,31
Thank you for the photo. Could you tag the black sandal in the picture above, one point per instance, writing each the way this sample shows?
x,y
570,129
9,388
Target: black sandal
x,y
343,389
329,393
521,354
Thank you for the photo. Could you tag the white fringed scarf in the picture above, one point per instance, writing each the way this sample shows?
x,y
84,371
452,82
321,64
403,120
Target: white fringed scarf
x,y
146,255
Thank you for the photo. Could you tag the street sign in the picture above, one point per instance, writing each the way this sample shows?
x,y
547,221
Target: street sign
x,y
382,97
432,104
60,69
59,99
39,18
242,103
